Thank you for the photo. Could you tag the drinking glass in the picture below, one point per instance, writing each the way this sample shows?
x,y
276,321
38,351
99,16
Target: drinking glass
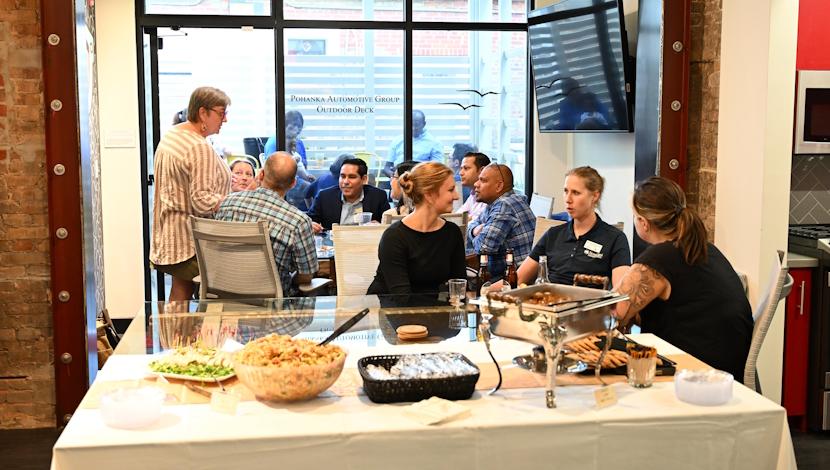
x,y
458,291
458,318
641,371
364,218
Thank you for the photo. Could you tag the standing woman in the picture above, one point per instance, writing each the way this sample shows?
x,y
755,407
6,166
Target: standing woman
x,y
191,179
682,287
423,251
586,244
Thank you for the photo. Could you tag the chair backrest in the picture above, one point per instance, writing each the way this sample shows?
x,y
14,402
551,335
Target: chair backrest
x,y
356,256
542,226
236,259
541,206
458,218
389,219
778,287
254,145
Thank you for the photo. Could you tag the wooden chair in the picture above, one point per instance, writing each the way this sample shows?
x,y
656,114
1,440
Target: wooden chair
x,y
458,218
541,206
542,226
356,254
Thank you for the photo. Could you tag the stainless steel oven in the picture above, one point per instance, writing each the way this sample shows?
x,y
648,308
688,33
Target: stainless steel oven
x,y
812,118
814,241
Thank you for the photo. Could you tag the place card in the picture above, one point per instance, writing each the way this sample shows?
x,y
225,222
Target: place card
x,y
605,396
224,402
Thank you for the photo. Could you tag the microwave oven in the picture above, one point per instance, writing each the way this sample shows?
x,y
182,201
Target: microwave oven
x,y
812,119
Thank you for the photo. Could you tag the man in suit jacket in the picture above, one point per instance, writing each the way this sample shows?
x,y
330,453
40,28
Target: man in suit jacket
x,y
338,205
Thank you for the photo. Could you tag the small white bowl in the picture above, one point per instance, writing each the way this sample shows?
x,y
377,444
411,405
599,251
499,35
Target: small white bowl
x,y
708,387
132,408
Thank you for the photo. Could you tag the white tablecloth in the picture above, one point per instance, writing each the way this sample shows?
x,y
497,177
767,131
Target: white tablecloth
x,y
512,429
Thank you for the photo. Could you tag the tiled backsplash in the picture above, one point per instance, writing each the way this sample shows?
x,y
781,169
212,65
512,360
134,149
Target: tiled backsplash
x,y
810,190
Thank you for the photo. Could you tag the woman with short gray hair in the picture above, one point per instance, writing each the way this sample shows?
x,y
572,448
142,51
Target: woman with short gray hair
x,y
191,179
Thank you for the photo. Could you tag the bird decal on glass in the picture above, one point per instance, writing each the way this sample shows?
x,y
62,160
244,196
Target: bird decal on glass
x,y
480,93
463,106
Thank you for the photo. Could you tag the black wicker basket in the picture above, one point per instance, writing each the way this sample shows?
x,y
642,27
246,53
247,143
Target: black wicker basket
x,y
405,390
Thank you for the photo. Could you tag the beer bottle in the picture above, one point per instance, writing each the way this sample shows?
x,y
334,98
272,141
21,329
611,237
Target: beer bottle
x,y
483,270
542,277
511,276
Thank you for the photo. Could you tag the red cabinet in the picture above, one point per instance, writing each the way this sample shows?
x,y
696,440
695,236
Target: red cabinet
x,y
796,343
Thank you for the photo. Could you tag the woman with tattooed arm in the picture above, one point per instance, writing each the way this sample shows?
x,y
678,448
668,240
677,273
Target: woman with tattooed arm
x,y
681,287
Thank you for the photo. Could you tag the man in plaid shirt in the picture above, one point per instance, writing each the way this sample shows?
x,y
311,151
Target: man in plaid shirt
x,y
289,228
506,223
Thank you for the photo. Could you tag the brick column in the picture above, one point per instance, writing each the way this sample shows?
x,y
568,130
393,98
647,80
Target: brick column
x,y
26,371
704,83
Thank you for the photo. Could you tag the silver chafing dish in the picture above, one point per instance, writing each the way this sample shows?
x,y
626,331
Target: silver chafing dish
x,y
574,312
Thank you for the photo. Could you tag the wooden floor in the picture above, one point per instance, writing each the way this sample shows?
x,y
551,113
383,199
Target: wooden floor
x,y
31,449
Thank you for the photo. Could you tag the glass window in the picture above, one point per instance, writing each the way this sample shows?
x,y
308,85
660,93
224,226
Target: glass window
x,y
208,7
349,93
238,62
470,11
472,94
344,10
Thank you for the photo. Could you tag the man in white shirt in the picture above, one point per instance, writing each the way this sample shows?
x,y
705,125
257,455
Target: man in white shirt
x,y
471,167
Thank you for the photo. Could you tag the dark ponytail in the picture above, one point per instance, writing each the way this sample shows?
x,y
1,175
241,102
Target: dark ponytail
x,y
663,203
691,236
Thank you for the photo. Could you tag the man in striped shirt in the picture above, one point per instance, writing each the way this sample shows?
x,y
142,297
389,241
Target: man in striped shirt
x,y
289,228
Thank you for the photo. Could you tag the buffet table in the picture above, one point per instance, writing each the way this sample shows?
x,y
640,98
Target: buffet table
x,y
647,428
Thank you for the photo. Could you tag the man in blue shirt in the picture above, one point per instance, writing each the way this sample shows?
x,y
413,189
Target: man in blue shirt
x,y
424,147
506,223
289,229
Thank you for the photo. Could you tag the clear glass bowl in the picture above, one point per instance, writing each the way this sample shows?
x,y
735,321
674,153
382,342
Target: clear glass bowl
x,y
289,383
708,387
132,408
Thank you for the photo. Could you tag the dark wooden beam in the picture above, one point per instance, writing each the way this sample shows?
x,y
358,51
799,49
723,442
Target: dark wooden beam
x,y
661,110
662,90
63,166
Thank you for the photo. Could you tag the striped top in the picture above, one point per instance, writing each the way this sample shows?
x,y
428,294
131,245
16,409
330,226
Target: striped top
x,y
190,179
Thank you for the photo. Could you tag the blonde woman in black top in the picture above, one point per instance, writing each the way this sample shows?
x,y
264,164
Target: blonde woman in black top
x,y
682,288
423,251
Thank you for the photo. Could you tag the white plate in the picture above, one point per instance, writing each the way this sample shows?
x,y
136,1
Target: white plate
x,y
170,375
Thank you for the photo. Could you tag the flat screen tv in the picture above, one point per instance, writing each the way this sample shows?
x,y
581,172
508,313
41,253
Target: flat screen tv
x,y
578,53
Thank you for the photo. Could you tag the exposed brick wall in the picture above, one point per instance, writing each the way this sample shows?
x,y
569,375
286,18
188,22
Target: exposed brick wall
x,y
26,370
704,82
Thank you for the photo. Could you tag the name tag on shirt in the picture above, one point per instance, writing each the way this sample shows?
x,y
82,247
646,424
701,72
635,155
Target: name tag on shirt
x,y
593,246
593,249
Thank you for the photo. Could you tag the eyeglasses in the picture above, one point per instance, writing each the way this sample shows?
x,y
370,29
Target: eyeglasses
x,y
222,114
498,167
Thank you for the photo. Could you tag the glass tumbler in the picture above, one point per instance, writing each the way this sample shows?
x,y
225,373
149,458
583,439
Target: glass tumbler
x,y
641,371
458,290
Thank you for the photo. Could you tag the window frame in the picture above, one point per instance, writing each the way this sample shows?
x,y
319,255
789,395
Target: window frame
x,y
147,24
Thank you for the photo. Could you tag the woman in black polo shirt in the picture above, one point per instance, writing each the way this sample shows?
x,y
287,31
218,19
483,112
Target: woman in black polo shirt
x,y
586,244
682,288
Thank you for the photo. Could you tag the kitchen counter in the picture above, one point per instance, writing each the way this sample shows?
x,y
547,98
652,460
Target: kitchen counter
x,y
794,260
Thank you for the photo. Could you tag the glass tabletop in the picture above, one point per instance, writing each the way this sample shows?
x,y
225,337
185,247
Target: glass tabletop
x,y
160,326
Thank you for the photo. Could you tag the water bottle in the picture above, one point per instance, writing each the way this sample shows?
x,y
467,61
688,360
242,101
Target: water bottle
x,y
542,276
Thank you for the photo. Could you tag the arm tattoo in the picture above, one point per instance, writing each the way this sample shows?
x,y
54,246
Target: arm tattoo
x,y
642,284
